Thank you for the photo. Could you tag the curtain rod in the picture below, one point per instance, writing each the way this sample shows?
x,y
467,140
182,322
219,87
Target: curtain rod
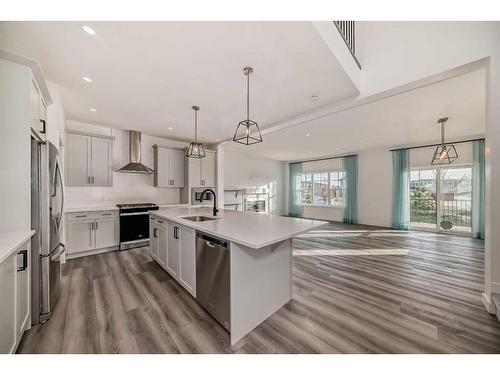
x,y
438,144
328,158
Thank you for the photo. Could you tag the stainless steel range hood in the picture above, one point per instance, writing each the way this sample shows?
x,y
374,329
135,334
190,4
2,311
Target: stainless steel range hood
x,y
135,165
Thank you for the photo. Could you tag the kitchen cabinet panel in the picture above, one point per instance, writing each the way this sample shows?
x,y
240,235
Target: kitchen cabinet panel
x,y
8,305
78,161
88,160
107,233
101,155
173,255
187,269
208,167
169,167
163,245
80,236
15,297
153,238
23,293
177,167
194,172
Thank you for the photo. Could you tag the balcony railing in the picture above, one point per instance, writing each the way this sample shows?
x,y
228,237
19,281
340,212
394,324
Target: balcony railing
x,y
348,31
424,211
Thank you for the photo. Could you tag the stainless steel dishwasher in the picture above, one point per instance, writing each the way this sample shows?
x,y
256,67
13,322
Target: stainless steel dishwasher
x,y
212,277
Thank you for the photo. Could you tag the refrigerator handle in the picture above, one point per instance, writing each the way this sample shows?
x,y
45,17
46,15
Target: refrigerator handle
x,y
58,168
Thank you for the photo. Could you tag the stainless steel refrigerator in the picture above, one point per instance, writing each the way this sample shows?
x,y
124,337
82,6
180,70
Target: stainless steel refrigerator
x,y
47,203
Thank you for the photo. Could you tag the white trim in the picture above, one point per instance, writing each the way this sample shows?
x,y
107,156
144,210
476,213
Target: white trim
x,y
323,205
495,287
90,252
90,134
490,307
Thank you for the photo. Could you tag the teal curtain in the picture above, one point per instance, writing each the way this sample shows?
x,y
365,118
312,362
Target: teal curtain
x,y
350,167
478,189
294,193
401,189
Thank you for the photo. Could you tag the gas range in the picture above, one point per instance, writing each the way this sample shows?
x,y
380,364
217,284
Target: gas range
x,y
134,224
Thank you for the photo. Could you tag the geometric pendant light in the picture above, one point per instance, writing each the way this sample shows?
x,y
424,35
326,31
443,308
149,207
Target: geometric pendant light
x,y
195,149
445,153
247,132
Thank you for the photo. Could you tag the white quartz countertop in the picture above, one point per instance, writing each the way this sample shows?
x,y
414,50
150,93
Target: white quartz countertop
x,y
10,241
246,228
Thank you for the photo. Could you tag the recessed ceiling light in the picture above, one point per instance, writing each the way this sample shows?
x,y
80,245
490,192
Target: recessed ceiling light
x,y
87,79
170,128
314,98
92,110
307,134
88,30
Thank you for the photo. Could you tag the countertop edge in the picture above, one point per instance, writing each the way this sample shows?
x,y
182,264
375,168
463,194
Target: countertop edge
x,y
23,237
192,225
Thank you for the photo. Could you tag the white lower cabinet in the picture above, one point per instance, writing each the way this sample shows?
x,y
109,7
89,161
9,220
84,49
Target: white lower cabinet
x,y
89,231
15,294
174,248
187,268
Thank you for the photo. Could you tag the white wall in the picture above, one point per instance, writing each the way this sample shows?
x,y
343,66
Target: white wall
x,y
396,53
375,187
244,171
127,187
15,151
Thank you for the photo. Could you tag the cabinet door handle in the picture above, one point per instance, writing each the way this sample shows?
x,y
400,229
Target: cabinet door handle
x,y
106,214
93,180
24,253
90,180
81,216
96,225
154,233
43,126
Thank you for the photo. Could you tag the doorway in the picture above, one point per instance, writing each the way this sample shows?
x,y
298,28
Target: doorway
x,y
441,199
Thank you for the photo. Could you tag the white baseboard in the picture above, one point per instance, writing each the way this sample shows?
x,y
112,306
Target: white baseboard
x,y
495,287
91,252
490,307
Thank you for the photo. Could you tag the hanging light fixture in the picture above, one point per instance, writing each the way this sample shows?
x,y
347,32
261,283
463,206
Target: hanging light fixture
x,y
195,149
247,132
445,153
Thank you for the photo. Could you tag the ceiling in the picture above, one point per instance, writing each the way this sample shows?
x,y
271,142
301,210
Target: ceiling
x,y
404,119
147,75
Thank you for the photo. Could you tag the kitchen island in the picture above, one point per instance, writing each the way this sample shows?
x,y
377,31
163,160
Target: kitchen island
x,y
260,258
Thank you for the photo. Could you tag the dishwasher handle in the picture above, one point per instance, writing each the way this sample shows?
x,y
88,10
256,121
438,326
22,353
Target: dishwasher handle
x,y
212,241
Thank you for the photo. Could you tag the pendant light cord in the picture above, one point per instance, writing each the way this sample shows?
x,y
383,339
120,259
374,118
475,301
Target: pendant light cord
x,y
442,133
248,95
196,126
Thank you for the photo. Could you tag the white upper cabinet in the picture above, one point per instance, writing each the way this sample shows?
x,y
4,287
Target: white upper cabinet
x,y
201,172
88,160
169,167
101,156
78,152
208,170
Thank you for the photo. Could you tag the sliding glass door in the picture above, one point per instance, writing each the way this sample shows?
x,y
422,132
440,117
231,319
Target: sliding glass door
x,y
441,199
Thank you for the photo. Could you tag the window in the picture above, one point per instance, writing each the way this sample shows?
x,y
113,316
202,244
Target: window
x,y
441,194
323,188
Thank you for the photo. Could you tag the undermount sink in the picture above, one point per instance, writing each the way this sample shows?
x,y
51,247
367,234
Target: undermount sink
x,y
199,218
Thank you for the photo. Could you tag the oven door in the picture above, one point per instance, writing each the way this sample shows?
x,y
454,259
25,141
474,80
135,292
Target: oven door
x,y
134,226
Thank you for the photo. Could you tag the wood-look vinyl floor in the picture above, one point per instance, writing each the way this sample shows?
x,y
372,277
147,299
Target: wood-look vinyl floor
x,y
356,289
